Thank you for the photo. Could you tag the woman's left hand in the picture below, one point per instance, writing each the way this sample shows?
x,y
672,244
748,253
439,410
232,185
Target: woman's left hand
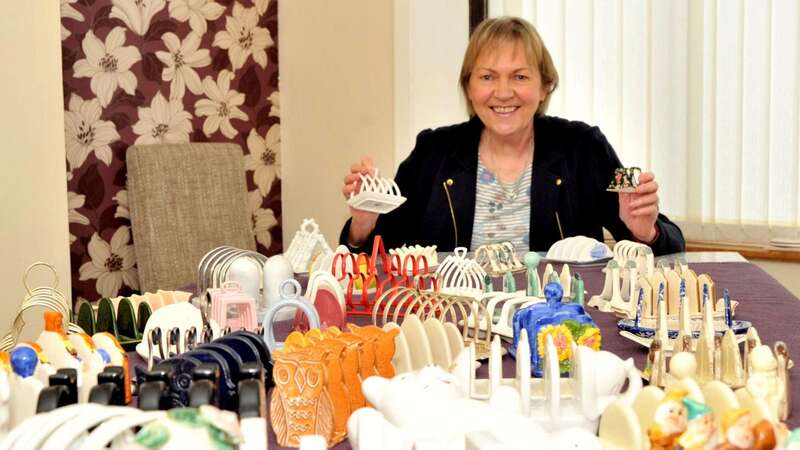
x,y
639,210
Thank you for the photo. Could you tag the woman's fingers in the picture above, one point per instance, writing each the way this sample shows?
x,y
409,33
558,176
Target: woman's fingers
x,y
651,210
639,201
351,178
352,181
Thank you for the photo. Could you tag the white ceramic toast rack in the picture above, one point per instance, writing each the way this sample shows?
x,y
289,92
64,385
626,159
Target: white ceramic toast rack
x,y
578,249
433,409
497,259
623,284
460,275
416,252
377,194
307,245
501,306
92,426
228,263
430,329
178,324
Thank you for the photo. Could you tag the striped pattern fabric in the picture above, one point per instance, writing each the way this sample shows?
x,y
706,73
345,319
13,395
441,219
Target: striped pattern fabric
x,y
502,210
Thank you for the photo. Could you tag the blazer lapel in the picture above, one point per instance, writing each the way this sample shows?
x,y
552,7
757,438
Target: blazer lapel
x,y
457,178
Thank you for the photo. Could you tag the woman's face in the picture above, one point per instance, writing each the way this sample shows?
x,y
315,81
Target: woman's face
x,y
504,90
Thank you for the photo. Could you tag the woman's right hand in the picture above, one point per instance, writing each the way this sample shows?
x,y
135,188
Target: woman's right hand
x,y
363,221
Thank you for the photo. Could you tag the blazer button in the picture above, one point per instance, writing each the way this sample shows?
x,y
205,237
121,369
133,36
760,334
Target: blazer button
x,y
449,182
558,181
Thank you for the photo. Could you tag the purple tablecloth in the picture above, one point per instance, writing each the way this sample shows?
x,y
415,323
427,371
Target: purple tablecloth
x,y
772,309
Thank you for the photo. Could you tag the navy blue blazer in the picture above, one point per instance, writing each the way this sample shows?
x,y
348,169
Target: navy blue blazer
x,y
573,164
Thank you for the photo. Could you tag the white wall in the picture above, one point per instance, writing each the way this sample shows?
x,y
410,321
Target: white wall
x,y
336,63
427,34
354,81
34,192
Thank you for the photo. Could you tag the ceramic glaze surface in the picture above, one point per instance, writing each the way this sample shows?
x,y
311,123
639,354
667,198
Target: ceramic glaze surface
x,y
426,409
384,345
300,404
564,322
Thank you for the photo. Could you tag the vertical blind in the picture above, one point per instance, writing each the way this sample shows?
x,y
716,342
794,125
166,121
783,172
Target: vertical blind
x,y
705,93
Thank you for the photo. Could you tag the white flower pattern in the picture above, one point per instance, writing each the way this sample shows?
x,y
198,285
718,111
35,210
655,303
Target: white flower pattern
x,y
75,201
197,12
122,205
242,37
261,6
221,106
160,53
68,12
136,14
264,158
163,121
111,264
263,219
86,133
180,62
108,64
275,100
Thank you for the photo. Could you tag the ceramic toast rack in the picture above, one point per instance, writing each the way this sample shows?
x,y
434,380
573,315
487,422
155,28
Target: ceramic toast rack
x,y
460,275
77,361
94,426
631,262
431,408
682,286
124,317
290,298
227,263
198,369
177,325
307,245
376,194
498,259
759,372
503,305
367,277
324,369
688,415
327,297
47,297
685,328
417,252
431,324
422,342
230,307
566,323
578,249
625,179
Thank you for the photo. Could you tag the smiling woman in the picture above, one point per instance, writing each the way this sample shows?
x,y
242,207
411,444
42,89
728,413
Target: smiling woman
x,y
511,173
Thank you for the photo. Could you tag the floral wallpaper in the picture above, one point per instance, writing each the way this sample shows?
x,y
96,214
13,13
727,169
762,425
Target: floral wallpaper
x,y
153,71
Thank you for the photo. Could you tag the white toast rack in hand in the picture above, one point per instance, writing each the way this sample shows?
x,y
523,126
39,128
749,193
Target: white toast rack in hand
x,y
377,194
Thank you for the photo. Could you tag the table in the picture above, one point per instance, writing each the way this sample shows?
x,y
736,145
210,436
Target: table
x,y
772,309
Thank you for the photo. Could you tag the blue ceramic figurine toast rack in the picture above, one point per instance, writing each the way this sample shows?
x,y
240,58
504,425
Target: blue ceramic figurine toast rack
x,y
566,323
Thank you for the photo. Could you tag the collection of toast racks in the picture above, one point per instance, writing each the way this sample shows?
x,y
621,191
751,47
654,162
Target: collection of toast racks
x,y
210,361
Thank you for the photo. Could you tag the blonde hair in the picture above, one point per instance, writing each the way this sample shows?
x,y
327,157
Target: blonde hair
x,y
493,31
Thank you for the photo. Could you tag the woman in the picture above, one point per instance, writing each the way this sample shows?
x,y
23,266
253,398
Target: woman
x,y
510,173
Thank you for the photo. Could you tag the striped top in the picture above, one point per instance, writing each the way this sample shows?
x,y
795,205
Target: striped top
x,y
502,210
